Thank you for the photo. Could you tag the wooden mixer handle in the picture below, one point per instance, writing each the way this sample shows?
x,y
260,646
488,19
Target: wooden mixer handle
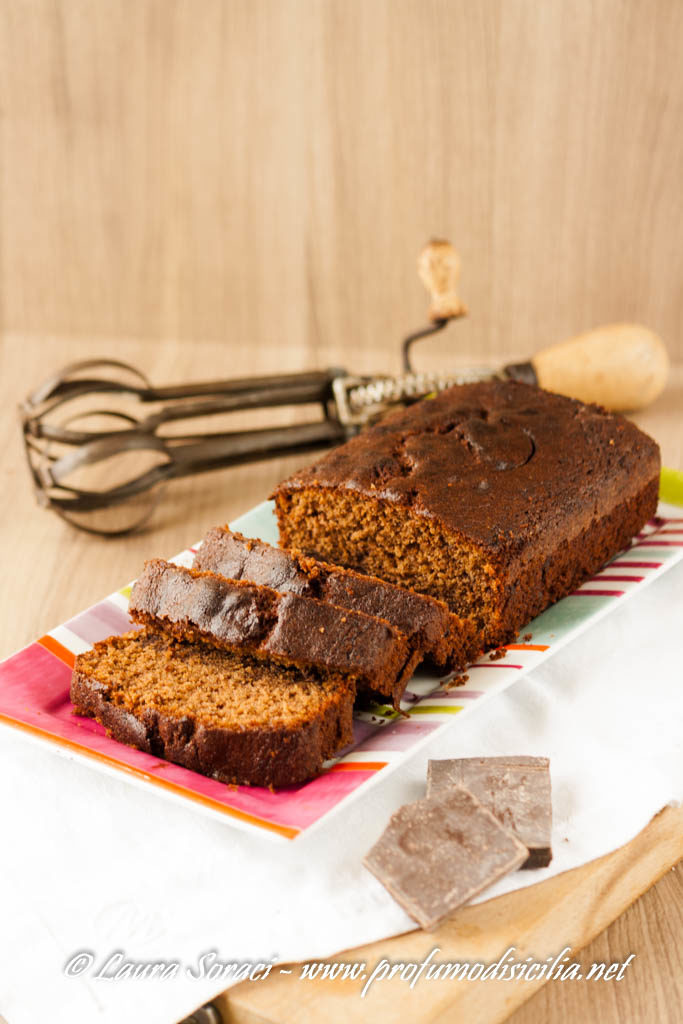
x,y
620,366
439,268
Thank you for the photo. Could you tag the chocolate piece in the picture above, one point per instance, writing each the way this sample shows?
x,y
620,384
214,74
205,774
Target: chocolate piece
x,y
439,852
242,617
432,630
496,497
515,789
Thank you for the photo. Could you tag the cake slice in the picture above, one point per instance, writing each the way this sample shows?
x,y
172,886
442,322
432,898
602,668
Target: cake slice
x,y
236,718
496,497
239,616
432,630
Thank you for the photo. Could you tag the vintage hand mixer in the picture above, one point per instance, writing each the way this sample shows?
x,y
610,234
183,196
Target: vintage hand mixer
x,y
99,459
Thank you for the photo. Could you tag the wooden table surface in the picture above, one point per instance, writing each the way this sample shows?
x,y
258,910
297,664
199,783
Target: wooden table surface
x,y
62,571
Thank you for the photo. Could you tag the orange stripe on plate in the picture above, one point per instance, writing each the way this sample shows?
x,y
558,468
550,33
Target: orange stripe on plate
x,y
526,647
358,766
59,650
284,830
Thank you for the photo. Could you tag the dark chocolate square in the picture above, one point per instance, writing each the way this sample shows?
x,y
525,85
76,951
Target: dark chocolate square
x,y
515,789
439,852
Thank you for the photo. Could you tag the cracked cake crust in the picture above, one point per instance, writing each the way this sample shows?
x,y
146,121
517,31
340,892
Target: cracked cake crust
x,y
497,497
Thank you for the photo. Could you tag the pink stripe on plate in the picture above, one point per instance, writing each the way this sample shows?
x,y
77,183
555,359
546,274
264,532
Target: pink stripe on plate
x,y
397,736
660,544
99,622
34,687
628,564
618,579
493,664
597,593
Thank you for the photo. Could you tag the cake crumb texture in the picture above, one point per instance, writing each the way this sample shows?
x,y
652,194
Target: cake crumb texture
x,y
237,718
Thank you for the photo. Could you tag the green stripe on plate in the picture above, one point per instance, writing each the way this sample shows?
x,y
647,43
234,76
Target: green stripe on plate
x,y
436,709
671,486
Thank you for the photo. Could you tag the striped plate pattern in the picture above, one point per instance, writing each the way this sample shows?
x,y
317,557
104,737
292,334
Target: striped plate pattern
x,y
34,695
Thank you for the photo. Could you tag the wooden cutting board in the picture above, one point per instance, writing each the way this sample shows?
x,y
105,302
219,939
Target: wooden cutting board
x,y
568,910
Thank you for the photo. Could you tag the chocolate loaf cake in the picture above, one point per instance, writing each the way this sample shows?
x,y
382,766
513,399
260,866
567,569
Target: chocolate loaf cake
x,y
257,620
432,630
497,497
236,718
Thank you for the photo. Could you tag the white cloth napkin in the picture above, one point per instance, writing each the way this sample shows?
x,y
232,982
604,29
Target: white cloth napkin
x,y
88,862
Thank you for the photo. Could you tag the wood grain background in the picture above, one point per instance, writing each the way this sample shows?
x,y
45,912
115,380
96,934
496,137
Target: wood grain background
x,y
217,187
260,171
